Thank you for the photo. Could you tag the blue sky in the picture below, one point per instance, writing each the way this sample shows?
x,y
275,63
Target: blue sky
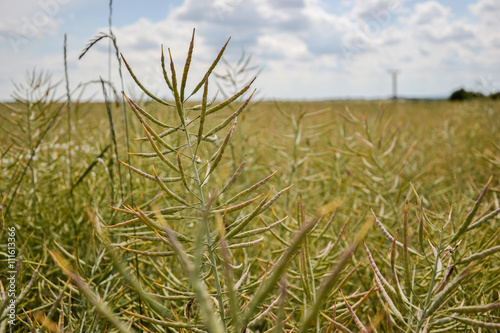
x,y
307,49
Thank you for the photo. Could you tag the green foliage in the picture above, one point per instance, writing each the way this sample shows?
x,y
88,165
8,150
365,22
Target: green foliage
x,y
464,95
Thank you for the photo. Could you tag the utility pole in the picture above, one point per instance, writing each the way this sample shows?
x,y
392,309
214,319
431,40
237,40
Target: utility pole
x,y
394,73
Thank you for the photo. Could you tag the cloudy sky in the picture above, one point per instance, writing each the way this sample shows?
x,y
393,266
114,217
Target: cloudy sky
x,y
306,49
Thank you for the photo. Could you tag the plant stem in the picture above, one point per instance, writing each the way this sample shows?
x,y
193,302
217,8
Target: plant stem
x,y
33,176
431,286
211,254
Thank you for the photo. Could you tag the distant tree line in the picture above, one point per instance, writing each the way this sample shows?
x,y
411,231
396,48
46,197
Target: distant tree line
x,y
462,95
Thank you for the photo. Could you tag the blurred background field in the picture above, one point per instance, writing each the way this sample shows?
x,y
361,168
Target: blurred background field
x,y
322,147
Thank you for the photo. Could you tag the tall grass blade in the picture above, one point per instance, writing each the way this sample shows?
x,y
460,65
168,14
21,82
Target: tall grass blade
x,y
210,69
186,67
332,277
139,84
468,219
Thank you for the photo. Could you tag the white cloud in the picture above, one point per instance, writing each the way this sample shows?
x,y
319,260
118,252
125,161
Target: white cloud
x,y
488,11
308,51
429,12
488,29
381,11
21,21
282,46
268,29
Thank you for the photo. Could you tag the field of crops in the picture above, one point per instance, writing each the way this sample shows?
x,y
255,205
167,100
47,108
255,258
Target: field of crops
x,y
228,216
